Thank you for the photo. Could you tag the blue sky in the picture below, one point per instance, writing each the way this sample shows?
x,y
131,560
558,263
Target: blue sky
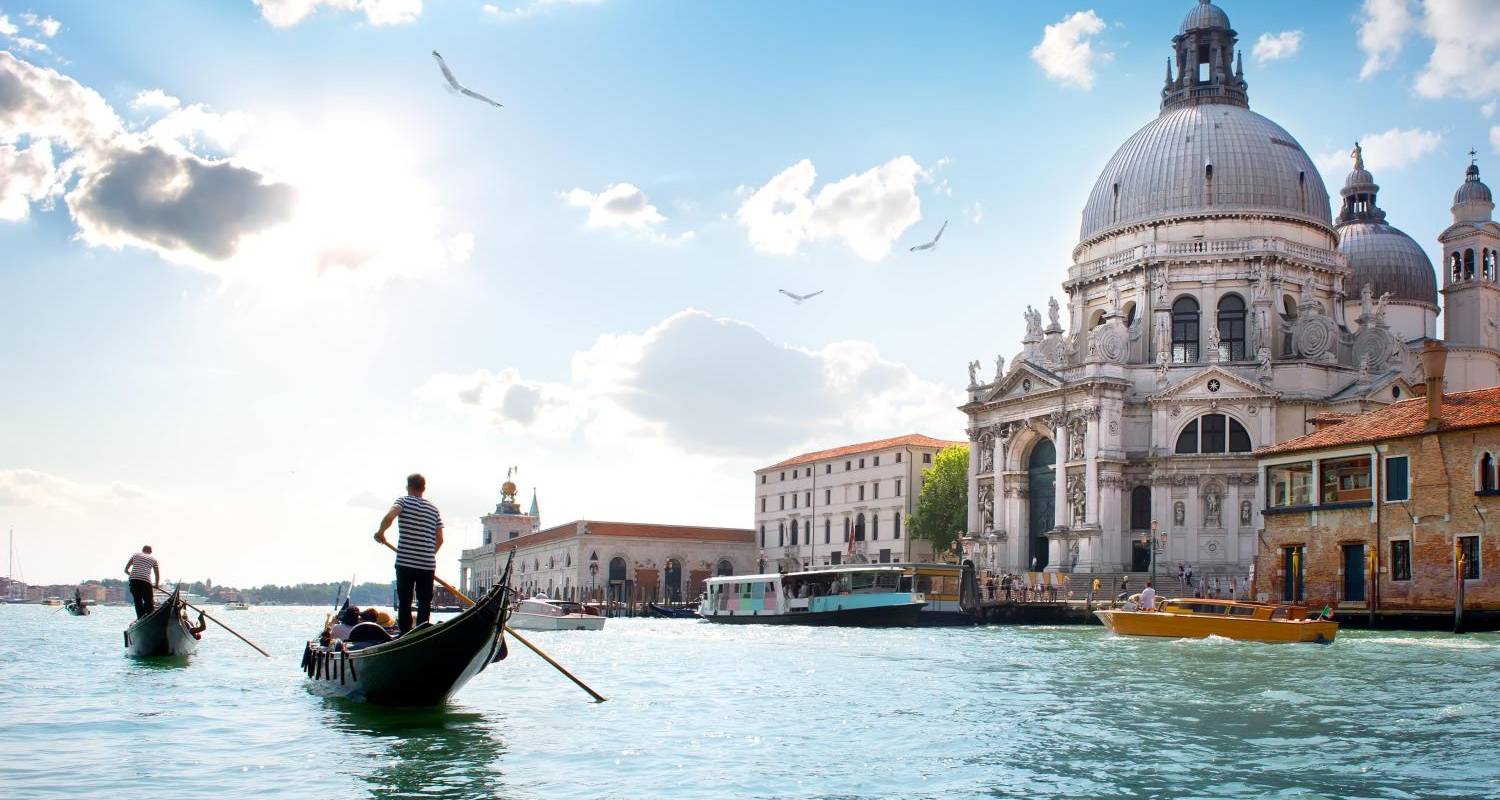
x,y
355,274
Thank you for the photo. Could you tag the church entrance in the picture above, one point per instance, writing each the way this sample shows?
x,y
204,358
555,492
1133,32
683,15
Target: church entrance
x,y
1041,484
1140,555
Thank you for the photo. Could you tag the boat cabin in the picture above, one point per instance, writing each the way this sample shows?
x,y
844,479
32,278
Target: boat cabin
x,y
1233,608
811,591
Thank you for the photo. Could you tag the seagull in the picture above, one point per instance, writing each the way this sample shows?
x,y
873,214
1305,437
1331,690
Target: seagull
x,y
932,245
454,85
800,298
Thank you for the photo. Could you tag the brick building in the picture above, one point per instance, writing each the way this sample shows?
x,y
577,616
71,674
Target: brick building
x,y
1386,507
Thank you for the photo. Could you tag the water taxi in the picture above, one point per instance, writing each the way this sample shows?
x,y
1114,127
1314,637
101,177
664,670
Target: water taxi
x,y
1242,620
236,605
939,584
52,601
845,595
540,614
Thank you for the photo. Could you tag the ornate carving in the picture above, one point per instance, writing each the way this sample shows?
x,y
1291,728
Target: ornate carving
x,y
1033,325
1179,513
986,452
999,368
1052,323
1314,333
1213,342
1376,344
1078,499
1108,342
1244,512
1212,499
1263,365
986,507
973,374
1076,429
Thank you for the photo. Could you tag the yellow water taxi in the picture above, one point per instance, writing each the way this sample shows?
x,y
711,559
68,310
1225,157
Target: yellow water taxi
x,y
1232,619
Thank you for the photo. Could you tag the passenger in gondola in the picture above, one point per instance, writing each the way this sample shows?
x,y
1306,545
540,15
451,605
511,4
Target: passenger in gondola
x,y
348,618
197,630
378,617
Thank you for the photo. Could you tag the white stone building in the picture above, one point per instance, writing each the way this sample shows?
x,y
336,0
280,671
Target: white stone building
x,y
843,504
1214,306
598,558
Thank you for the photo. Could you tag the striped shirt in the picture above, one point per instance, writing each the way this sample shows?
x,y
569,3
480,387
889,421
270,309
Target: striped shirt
x,y
419,523
141,566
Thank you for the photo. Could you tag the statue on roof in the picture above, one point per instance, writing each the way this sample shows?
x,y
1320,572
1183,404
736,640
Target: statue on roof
x,y
1367,302
999,368
1358,154
974,372
1052,313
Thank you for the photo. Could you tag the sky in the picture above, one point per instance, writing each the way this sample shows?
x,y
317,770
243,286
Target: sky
x,y
257,265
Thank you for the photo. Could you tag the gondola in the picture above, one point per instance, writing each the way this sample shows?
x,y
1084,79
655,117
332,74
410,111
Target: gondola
x,y
667,612
422,668
76,608
163,632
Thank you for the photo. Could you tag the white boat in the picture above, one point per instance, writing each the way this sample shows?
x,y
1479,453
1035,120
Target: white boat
x,y
52,601
864,594
237,605
541,614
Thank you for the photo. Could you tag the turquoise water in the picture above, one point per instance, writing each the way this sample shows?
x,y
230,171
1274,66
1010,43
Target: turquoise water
x,y
699,710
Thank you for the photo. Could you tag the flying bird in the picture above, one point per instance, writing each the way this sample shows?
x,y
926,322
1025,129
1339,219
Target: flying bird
x,y
454,85
800,298
932,245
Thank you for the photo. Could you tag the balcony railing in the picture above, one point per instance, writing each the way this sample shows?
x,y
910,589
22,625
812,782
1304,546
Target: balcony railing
x,y
1205,249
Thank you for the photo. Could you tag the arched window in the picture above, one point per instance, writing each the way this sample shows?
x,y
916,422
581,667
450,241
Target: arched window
x,y
1213,433
896,526
1469,263
1185,331
827,530
859,527
1289,316
846,529
794,533
874,527
1129,314
781,534
1140,508
1484,263
1487,477
1455,267
725,568
1231,328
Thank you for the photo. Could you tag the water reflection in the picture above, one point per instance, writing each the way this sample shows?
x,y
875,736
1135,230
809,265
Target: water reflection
x,y
428,752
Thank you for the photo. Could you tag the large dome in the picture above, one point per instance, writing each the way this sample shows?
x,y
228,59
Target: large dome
x,y
1389,261
1206,160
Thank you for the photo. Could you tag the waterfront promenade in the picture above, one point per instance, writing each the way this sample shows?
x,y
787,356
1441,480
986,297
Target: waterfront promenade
x,y
763,711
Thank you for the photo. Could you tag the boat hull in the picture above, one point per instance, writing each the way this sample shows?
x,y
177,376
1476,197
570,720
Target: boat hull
x,y
77,610
161,633
568,622
892,616
1194,626
423,668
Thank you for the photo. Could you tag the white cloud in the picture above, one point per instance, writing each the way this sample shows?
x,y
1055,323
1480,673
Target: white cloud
x,y
1066,52
46,26
286,13
1383,26
867,211
621,205
532,8
155,100
1495,138
290,205
1276,46
1487,110
1387,150
29,487
975,213
680,380
1465,60
8,28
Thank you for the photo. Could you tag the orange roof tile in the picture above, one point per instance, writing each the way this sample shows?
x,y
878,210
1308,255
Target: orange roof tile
x,y
909,440
1473,409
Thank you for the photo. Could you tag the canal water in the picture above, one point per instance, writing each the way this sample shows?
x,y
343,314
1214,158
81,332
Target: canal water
x,y
701,710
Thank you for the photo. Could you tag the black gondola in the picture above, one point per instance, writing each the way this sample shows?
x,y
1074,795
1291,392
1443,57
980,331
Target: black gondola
x,y
667,612
163,632
76,608
422,668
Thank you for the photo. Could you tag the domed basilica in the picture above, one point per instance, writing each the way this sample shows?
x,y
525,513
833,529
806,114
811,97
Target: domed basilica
x,y
1214,306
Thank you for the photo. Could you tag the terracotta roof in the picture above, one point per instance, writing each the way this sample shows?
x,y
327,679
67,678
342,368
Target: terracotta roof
x,y
1474,409
909,440
644,530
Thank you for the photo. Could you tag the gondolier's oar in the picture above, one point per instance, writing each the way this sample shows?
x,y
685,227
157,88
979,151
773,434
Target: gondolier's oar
x,y
220,624
598,698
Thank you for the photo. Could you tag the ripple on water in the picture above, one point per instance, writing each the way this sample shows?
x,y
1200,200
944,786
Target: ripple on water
x,y
700,709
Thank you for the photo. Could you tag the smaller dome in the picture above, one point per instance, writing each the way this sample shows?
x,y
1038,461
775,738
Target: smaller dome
x,y
1388,260
1204,15
1358,179
1473,188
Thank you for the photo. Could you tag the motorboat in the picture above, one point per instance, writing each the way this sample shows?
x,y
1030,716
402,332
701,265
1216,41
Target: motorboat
x,y
873,595
52,601
237,605
1242,620
541,614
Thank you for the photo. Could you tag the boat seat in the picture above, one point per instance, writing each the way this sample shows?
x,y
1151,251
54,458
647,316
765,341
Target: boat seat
x,y
367,633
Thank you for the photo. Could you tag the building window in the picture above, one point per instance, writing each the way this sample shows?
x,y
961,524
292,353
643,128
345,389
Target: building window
x,y
763,505
1468,264
827,469
1401,560
794,533
898,458
1231,328
846,529
763,480
848,465
877,461
1397,479
781,534
926,458
896,526
1289,485
874,527
861,463
1487,483
783,475
861,491
898,487
827,530
859,527
782,499
827,497
762,536
876,488
1213,433
794,501
1468,547
807,499
1345,480
1185,331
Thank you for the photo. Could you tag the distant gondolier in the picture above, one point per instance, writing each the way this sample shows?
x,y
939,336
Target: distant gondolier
x,y
421,536
145,574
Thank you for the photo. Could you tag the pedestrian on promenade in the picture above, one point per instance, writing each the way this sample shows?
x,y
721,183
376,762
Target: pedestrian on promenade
x,y
420,537
1181,575
1124,587
1094,592
1148,597
140,568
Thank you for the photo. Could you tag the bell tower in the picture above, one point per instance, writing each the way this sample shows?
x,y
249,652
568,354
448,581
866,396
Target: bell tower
x,y
1471,250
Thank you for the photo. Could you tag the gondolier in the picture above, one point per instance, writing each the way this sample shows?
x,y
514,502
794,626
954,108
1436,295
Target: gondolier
x,y
421,536
141,567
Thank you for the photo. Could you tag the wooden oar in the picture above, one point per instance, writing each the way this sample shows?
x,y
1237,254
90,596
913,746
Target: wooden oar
x,y
598,698
220,624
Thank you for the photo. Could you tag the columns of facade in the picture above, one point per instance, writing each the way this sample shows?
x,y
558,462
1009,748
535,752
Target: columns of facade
x,y
1092,508
975,519
1060,508
1193,523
